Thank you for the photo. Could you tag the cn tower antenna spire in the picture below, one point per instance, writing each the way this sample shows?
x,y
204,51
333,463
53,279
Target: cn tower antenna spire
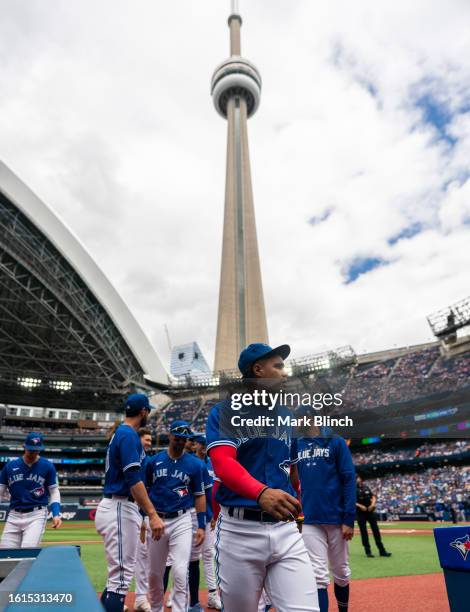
x,y
234,23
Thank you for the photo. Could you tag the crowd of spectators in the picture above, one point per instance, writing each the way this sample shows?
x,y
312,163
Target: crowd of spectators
x,y
178,409
439,449
199,424
77,474
435,491
70,431
418,374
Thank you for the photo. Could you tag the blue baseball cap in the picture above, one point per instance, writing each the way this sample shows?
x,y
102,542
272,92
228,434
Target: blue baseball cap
x,y
259,350
34,442
182,429
135,402
199,437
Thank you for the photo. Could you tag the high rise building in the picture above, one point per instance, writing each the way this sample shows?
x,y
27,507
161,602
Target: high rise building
x,y
236,91
188,359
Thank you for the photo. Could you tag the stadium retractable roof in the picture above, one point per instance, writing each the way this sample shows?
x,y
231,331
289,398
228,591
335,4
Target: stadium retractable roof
x,y
63,326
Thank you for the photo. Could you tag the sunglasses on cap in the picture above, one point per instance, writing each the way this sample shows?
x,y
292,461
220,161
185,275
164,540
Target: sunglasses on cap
x,y
181,430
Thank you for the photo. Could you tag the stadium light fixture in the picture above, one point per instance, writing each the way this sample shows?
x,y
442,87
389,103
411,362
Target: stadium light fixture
x,y
61,385
29,383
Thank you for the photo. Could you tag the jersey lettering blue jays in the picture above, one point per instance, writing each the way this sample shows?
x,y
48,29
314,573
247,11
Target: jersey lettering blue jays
x,y
28,485
268,459
328,481
173,483
124,452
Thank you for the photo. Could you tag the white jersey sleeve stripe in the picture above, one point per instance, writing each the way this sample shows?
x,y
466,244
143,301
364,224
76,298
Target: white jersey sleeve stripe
x,y
222,443
135,463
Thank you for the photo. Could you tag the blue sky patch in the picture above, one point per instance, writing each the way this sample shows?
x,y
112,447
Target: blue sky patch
x,y
437,114
361,265
406,232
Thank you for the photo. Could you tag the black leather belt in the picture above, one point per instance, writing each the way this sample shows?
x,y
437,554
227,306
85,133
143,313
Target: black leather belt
x,y
26,510
249,514
170,515
108,496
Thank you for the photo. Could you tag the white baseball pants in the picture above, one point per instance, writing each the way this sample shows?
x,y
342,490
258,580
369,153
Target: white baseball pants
x,y
251,555
24,529
325,544
118,521
206,552
176,540
142,563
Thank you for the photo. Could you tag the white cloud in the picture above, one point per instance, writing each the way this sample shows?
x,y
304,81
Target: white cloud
x,y
105,112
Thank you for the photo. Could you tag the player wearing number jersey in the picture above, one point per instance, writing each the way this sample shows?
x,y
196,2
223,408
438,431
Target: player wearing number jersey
x,y
117,517
327,481
174,482
31,481
257,541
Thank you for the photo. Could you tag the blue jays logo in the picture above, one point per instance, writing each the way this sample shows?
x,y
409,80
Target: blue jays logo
x,y
462,545
285,467
36,441
181,491
39,492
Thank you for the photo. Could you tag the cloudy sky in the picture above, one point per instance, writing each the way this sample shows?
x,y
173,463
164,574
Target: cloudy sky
x,y
360,156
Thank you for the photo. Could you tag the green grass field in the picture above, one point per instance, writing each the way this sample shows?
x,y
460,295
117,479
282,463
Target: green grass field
x,y
411,554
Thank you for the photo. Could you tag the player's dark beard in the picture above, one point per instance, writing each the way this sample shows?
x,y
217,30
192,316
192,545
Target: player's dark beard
x,y
143,420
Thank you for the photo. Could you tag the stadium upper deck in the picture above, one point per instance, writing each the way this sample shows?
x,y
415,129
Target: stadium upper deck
x,y
66,336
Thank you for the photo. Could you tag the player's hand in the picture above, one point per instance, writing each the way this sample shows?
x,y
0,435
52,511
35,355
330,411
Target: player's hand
x,y
362,507
56,522
157,526
348,532
371,508
200,535
213,524
279,504
143,532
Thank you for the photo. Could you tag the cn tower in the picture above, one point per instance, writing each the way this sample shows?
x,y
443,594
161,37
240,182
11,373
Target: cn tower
x,y
236,92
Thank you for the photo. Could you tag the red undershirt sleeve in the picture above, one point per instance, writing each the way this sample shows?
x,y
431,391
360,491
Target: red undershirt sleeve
x,y
232,474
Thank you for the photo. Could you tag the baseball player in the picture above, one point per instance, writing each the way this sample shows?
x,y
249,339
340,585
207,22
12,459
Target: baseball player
x,y
174,481
194,573
206,550
257,541
31,482
328,491
118,519
190,446
141,603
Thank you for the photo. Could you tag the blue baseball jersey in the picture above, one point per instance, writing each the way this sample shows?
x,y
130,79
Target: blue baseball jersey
x,y
143,465
28,485
268,459
208,482
125,452
328,481
173,483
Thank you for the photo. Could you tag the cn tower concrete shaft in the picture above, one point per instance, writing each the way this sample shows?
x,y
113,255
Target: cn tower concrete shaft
x,y
236,89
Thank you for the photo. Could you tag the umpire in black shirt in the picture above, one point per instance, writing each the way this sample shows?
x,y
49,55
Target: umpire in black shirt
x,y
365,504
